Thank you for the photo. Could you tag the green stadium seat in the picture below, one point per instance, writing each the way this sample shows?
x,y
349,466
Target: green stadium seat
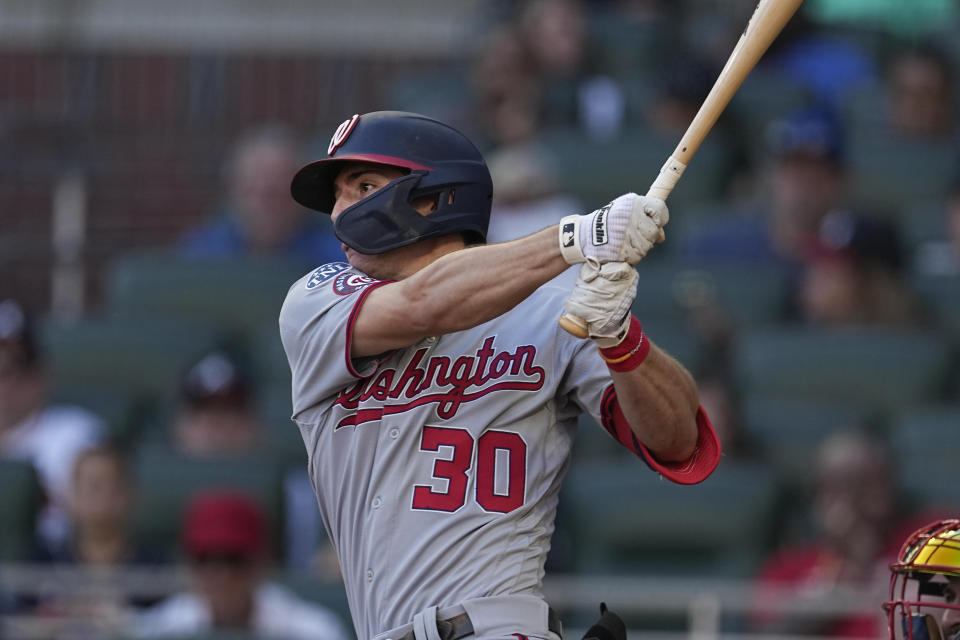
x,y
923,222
930,487
928,435
20,499
239,297
889,175
596,171
788,432
165,482
142,357
870,367
941,295
625,47
438,93
269,359
625,519
122,411
751,296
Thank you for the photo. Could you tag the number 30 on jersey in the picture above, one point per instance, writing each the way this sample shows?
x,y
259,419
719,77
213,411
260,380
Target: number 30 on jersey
x,y
503,451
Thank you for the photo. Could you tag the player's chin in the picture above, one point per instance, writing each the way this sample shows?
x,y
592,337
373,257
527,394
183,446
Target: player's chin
x,y
367,264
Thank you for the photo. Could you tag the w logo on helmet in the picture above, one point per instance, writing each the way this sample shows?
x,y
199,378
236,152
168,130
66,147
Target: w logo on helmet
x,y
342,133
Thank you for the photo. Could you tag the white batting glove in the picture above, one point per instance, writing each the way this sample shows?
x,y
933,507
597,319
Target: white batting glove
x,y
602,298
622,231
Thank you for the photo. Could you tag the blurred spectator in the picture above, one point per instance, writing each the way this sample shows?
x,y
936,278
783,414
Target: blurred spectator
x,y
100,508
50,436
941,257
920,93
508,91
807,180
574,94
225,540
260,218
857,533
684,84
854,274
217,415
101,503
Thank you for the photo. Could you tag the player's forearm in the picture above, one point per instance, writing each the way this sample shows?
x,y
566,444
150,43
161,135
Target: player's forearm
x,y
659,401
469,287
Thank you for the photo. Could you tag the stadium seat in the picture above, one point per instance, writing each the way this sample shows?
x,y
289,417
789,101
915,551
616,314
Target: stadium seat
x,y
121,410
941,295
439,93
788,432
20,498
239,297
625,47
930,487
166,481
869,367
596,171
929,434
625,519
751,296
888,175
142,357
268,358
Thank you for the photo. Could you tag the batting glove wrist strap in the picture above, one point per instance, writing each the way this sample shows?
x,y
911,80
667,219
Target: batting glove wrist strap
x,y
570,239
622,231
632,350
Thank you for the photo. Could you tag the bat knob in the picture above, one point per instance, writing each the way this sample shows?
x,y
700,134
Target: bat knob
x,y
573,325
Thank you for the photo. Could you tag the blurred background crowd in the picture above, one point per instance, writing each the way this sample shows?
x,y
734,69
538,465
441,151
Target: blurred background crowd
x,y
810,282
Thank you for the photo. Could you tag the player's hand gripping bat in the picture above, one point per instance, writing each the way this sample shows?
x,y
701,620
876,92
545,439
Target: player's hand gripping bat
x,y
767,22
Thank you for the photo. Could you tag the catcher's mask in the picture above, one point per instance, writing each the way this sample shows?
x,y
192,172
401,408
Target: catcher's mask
x,y
439,161
923,585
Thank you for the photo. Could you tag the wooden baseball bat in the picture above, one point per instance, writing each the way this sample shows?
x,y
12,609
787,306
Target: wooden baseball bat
x,y
767,22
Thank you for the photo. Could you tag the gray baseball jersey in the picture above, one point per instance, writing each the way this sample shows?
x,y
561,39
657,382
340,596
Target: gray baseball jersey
x,y
437,466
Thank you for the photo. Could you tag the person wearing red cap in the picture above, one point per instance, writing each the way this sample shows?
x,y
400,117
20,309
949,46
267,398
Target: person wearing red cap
x,y
224,538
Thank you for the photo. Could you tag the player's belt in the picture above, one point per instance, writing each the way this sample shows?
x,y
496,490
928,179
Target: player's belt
x,y
460,626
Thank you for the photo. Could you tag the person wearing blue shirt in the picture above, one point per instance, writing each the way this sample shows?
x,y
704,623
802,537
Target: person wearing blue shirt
x,y
260,218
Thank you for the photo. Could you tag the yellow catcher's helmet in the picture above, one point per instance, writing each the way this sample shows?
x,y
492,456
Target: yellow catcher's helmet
x,y
917,604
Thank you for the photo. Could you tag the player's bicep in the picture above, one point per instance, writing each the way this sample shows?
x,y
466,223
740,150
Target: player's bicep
x,y
386,320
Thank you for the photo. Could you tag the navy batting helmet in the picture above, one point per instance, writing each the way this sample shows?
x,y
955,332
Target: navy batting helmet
x,y
441,162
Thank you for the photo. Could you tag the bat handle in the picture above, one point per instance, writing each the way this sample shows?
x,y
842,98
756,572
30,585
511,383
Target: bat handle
x,y
667,178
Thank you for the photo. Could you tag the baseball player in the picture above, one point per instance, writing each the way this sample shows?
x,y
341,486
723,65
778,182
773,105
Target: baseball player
x,y
924,601
438,398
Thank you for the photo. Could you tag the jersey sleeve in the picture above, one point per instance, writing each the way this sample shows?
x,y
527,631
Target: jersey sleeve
x,y
316,328
588,384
